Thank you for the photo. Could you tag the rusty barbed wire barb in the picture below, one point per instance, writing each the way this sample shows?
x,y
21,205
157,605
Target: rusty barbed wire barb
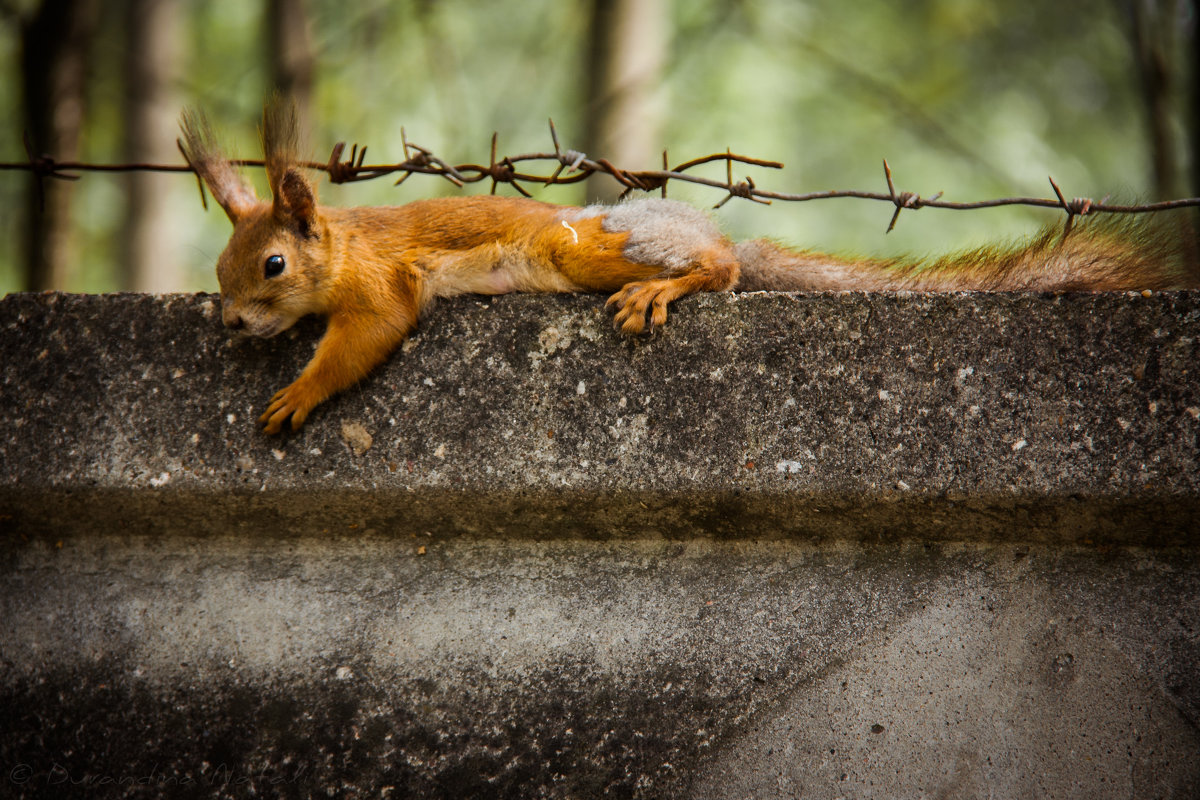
x,y
41,167
568,160
903,200
1080,206
576,159
339,171
407,156
503,171
508,174
44,166
573,166
492,167
744,189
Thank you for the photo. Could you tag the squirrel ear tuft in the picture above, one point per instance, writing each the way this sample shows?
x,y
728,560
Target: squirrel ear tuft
x,y
296,201
280,137
203,155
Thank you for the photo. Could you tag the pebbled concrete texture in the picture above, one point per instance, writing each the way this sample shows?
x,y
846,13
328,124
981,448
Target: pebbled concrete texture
x,y
1019,417
789,546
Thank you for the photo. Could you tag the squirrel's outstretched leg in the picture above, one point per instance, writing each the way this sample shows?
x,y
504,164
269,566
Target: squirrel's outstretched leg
x,y
667,249
715,269
348,351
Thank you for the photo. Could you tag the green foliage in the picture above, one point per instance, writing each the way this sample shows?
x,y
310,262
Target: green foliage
x,y
975,98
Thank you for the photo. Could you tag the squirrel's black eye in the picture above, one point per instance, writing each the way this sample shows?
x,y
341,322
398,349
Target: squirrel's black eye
x,y
274,266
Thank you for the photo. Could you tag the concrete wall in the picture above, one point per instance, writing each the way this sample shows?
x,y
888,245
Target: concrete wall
x,y
789,546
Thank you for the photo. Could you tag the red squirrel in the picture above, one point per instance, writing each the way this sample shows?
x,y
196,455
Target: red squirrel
x,y
372,271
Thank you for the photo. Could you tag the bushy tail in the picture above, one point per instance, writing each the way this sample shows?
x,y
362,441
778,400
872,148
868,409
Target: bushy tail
x,y
1105,254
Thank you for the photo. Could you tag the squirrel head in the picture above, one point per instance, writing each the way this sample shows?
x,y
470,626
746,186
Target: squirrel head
x,y
272,272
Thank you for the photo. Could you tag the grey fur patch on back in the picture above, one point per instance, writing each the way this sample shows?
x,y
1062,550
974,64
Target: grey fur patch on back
x,y
662,232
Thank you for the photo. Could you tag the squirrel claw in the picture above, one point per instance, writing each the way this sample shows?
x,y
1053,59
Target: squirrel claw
x,y
636,301
286,403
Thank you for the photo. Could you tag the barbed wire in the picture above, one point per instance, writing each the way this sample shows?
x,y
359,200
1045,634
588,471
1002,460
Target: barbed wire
x,y
573,166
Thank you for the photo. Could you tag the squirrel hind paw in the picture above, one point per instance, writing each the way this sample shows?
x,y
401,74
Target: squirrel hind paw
x,y
642,302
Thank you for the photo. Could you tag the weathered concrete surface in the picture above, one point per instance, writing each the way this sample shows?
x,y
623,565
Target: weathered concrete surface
x,y
815,546
651,668
1024,418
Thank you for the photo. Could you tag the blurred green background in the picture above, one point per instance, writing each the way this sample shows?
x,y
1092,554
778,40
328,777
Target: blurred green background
x,y
975,98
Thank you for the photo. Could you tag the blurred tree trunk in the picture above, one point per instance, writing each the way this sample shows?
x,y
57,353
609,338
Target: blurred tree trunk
x,y
151,261
1153,34
626,49
292,61
1194,127
56,40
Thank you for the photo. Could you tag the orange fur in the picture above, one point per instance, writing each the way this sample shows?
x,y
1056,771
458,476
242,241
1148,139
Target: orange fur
x,y
371,272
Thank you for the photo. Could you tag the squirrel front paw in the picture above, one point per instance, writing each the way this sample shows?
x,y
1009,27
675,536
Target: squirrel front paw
x,y
296,401
637,300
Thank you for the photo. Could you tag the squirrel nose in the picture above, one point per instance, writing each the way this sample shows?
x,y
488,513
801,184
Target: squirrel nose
x,y
232,319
